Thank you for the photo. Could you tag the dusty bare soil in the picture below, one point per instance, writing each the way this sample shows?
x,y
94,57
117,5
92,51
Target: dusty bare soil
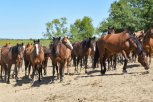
x,y
136,86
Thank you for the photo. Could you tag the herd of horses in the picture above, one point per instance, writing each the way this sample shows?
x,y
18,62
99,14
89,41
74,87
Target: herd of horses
x,y
61,52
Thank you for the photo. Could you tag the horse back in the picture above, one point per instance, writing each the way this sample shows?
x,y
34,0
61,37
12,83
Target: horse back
x,y
115,38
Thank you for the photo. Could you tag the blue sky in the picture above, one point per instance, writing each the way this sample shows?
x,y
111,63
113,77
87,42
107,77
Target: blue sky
x,y
27,18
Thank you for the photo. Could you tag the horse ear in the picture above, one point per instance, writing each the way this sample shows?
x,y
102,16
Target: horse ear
x,y
17,44
59,38
38,40
22,43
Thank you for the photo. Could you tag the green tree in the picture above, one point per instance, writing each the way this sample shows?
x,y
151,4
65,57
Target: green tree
x,y
55,28
135,14
82,28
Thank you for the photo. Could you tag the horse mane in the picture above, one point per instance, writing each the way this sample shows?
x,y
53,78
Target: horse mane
x,y
86,43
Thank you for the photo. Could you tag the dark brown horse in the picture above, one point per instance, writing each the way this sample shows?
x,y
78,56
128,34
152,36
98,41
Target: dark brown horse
x,y
12,55
148,43
124,42
81,50
36,59
46,56
59,56
27,52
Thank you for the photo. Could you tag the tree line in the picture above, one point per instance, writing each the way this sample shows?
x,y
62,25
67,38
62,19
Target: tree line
x,y
133,14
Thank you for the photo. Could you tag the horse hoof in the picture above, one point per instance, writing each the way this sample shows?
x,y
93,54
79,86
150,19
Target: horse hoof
x,y
102,72
61,80
8,82
124,71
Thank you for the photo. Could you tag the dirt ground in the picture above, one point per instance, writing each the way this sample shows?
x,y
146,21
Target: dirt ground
x,y
136,86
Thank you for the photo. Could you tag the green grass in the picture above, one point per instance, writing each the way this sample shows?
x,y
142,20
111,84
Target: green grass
x,y
43,42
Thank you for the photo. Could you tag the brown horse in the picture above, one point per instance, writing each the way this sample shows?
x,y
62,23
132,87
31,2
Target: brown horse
x,y
36,59
2,67
59,56
69,49
148,42
46,56
112,44
27,53
12,55
81,50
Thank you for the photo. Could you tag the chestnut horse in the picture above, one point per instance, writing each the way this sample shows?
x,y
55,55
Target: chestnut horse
x,y
69,49
12,55
148,42
59,55
124,42
81,50
36,59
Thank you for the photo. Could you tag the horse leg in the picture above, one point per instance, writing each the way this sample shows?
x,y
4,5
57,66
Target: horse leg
x,y
9,70
66,64
29,69
39,71
16,72
125,62
74,62
104,64
53,73
114,62
60,72
57,70
26,66
26,70
86,61
101,64
5,69
150,58
78,59
108,63
1,72
33,73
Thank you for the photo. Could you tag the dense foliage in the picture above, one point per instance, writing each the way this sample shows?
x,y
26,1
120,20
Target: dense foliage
x,y
134,14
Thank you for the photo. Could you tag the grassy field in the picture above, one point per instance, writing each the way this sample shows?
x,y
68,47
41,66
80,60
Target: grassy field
x,y
43,42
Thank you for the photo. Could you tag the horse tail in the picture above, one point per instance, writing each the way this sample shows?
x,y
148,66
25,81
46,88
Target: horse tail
x,y
96,56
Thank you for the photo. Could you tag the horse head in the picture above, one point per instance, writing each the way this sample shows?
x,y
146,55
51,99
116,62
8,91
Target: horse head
x,y
37,46
150,32
92,43
67,43
55,45
142,58
20,50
